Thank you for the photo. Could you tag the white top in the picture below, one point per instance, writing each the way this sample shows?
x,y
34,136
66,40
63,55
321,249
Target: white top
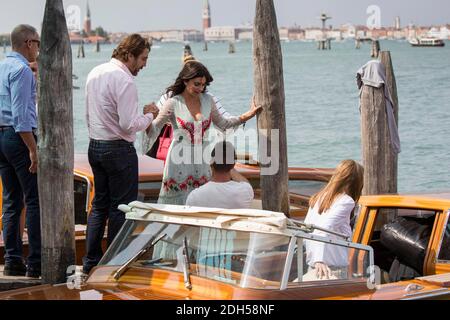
x,y
227,195
337,219
216,100
220,109
112,110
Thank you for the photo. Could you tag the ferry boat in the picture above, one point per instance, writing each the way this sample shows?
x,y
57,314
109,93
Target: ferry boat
x,y
427,42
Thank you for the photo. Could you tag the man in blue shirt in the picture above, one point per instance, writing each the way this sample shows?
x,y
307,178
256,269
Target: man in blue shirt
x,y
18,154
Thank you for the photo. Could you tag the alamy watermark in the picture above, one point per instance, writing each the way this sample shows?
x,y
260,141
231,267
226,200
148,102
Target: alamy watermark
x,y
73,18
75,277
190,147
374,19
374,280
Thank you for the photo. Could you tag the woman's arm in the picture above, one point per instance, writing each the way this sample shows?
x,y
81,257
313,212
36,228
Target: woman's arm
x,y
224,123
254,109
165,115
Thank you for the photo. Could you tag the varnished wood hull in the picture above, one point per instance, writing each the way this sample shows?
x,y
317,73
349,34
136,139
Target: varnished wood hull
x,y
145,284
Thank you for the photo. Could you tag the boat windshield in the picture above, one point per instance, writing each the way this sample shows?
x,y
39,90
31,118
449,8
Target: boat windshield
x,y
245,259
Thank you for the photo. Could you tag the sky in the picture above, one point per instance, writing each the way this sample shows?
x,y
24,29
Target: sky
x,y
145,15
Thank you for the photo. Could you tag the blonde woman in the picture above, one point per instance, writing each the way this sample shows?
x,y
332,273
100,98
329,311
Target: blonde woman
x,y
331,209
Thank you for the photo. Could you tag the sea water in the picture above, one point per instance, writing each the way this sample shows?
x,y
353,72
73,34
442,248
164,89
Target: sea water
x,y
322,104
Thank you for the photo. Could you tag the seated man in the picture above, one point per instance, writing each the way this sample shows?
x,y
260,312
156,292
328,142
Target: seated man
x,y
227,189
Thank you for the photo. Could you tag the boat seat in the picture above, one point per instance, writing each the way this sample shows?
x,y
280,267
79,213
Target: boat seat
x,y
407,239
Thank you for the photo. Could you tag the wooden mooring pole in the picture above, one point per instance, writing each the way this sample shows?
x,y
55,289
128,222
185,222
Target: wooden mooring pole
x,y
231,47
379,158
56,148
97,46
375,49
392,159
269,93
81,50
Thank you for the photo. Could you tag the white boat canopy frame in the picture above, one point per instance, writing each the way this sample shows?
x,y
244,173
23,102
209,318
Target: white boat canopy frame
x,y
251,220
247,220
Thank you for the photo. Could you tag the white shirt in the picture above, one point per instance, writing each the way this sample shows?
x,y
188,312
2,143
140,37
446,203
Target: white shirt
x,y
337,219
226,195
112,110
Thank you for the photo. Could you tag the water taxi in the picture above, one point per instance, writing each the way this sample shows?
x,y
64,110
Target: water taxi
x,y
427,42
178,252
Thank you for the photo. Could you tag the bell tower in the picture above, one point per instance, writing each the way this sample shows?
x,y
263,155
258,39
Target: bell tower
x,y
206,15
87,21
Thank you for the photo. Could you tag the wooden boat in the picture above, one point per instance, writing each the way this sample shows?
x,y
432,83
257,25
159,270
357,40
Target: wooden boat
x,y
177,252
430,272
302,184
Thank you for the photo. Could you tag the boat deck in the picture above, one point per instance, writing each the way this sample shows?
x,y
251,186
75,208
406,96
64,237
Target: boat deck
x,y
11,283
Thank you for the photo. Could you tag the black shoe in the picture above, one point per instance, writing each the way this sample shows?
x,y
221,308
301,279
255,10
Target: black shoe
x,y
86,270
33,272
14,269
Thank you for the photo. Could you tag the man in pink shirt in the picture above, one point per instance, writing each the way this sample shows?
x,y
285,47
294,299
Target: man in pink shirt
x,y
113,119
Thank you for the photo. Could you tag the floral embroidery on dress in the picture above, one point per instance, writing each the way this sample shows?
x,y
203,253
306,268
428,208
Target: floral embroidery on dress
x,y
189,127
205,125
172,185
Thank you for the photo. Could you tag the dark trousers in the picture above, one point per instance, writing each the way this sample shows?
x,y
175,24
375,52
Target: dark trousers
x,y
115,168
19,186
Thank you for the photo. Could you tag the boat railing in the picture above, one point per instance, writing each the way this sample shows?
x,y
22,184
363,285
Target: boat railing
x,y
296,244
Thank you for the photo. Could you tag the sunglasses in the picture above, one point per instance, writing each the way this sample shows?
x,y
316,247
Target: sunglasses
x,y
37,41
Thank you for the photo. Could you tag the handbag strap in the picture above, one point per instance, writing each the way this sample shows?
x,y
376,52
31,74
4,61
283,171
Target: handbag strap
x,y
168,131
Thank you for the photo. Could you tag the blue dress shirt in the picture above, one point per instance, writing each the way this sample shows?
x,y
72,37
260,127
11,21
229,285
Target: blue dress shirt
x,y
17,94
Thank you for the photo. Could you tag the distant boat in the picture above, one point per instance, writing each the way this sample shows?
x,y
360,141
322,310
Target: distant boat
x,y
427,42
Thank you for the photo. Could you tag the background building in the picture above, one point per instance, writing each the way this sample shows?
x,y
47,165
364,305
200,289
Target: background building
x,y
220,34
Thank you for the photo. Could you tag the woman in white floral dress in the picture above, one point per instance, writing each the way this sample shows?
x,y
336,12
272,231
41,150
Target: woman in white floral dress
x,y
191,112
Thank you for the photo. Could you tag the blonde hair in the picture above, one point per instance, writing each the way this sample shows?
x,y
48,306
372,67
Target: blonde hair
x,y
348,178
188,58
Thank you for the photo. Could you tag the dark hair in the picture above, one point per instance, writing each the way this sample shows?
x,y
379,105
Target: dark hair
x,y
134,44
191,70
223,156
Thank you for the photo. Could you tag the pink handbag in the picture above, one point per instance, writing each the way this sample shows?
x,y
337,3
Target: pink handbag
x,y
164,142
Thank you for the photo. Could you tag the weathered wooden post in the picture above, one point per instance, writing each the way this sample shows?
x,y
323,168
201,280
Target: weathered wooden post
x,y
97,46
231,48
56,154
375,49
379,156
205,46
392,157
269,93
81,50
